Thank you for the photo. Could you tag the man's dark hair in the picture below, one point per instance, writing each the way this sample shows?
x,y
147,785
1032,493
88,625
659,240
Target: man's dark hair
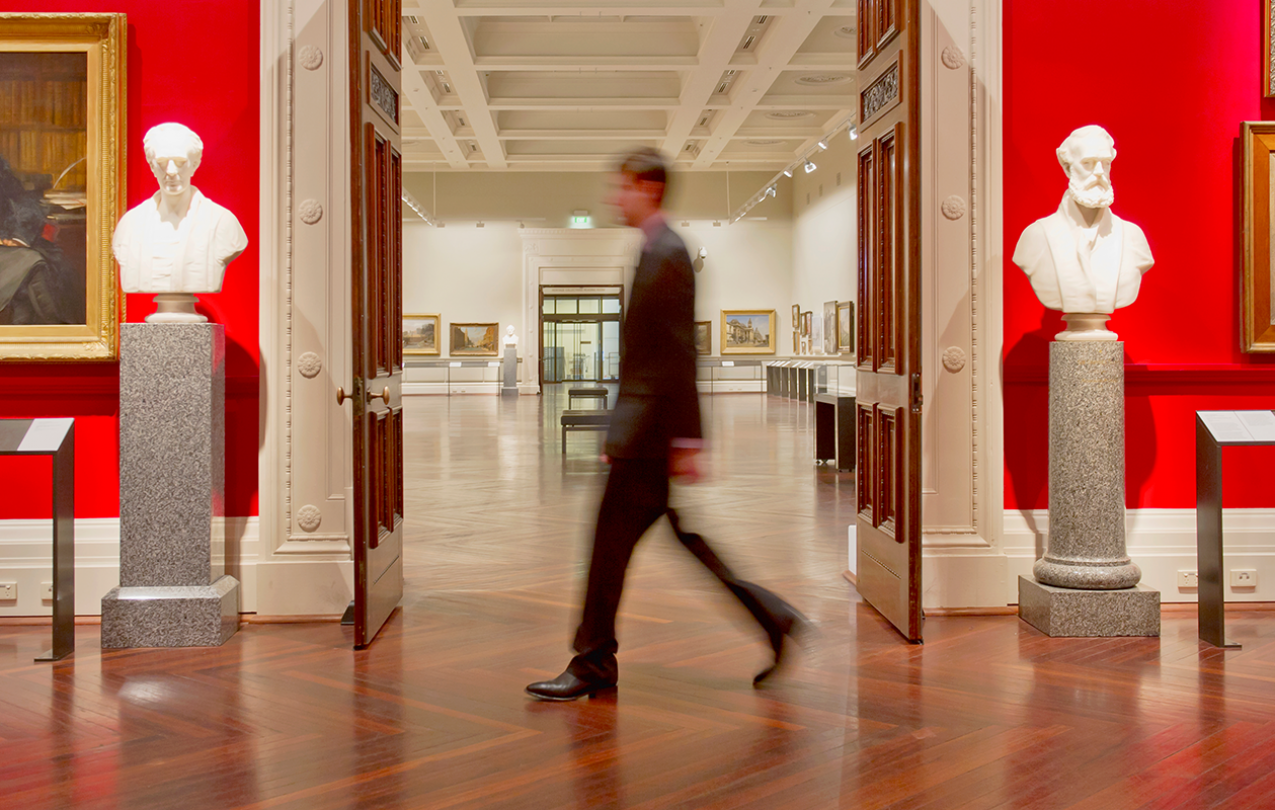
x,y
645,163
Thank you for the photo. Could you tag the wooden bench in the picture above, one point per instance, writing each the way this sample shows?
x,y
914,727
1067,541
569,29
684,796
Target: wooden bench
x,y
587,393
583,420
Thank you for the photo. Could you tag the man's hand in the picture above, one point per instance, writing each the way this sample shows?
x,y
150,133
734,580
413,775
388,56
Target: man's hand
x,y
683,462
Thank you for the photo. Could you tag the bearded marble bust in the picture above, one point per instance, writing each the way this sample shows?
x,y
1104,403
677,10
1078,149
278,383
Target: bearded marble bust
x,y
177,242
1083,259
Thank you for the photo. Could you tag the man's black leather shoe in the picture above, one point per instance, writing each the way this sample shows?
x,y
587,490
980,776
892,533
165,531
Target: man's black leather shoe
x,y
566,687
791,624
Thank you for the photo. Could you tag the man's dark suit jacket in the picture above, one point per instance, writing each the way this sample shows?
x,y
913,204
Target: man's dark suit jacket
x,y
658,400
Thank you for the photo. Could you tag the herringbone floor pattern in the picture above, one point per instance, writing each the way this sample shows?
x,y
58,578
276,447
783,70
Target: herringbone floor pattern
x,y
987,714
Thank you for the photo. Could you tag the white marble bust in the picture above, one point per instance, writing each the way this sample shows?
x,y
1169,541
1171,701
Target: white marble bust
x,y
511,337
177,242
1083,259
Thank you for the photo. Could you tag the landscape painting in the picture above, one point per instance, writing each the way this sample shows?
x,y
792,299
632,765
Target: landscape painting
x,y
420,334
703,337
475,340
748,331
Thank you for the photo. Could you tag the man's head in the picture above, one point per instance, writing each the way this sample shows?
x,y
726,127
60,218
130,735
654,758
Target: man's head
x,y
1086,157
173,152
637,190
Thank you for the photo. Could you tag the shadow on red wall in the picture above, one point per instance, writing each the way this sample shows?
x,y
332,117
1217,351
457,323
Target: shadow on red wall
x,y
197,65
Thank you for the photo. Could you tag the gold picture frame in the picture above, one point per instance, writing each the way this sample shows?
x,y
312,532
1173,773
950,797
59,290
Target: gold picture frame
x,y
1268,45
845,327
421,334
1257,315
742,331
475,340
62,132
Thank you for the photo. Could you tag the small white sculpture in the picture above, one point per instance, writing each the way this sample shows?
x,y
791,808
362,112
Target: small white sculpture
x,y
1083,259
178,242
511,338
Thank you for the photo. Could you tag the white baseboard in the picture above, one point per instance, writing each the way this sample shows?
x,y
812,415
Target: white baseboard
x,y
731,387
491,388
26,559
1161,542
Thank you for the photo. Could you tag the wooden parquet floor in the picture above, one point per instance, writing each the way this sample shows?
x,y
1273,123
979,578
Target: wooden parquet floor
x,y
987,714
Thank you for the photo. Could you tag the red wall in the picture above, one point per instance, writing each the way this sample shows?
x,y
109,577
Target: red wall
x,y
1171,80
195,62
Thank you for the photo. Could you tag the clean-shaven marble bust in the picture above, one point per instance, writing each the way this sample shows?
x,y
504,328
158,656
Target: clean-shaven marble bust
x,y
1083,259
177,242
511,337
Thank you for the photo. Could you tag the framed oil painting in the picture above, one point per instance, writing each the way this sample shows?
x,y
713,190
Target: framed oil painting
x,y
748,331
475,340
1257,293
830,327
420,334
796,315
62,126
845,327
807,324
703,337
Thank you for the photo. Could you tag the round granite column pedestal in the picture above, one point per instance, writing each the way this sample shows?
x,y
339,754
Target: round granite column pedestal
x,y
1086,585
1086,546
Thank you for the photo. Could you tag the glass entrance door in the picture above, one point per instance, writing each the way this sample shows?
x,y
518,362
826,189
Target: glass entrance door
x,y
580,337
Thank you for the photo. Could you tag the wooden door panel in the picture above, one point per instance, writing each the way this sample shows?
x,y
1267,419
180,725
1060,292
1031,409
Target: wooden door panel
x,y
888,524
377,269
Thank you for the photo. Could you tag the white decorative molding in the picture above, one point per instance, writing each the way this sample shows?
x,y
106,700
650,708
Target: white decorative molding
x,y
952,58
953,207
309,364
954,359
304,462
309,518
310,57
311,211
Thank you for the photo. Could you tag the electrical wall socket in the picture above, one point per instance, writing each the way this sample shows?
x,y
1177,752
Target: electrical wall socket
x,y
1243,578
1188,579
8,591
46,591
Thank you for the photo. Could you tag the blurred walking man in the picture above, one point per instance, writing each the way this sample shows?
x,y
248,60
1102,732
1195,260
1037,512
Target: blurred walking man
x,y
654,435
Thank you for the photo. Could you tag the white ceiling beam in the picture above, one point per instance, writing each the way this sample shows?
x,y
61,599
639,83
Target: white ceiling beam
x,y
423,104
776,50
452,43
724,36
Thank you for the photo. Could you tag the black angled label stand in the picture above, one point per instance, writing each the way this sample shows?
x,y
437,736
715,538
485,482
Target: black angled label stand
x,y
1213,431
54,438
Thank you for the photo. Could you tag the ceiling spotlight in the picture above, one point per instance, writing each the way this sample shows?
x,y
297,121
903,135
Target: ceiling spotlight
x,y
788,172
823,145
810,166
854,132
771,192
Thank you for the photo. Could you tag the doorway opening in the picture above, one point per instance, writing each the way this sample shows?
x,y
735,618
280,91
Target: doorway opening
x,y
580,334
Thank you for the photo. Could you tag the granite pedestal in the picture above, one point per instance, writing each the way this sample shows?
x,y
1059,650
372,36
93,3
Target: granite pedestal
x,y
1085,584
509,369
173,591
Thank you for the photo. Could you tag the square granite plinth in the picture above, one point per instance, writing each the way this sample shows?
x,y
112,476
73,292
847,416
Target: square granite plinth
x,y
171,616
1069,612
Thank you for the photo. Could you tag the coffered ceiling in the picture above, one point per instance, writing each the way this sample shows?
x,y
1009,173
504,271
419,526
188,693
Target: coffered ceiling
x,y
530,85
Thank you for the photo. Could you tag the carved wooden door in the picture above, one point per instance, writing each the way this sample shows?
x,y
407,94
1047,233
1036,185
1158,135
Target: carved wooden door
x,y
888,375
377,272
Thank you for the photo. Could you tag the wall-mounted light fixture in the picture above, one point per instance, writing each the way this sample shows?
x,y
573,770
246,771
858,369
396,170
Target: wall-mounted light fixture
x,y
788,172
854,132
823,145
810,166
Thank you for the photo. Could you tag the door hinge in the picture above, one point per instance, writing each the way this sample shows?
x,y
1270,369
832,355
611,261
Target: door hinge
x,y
917,399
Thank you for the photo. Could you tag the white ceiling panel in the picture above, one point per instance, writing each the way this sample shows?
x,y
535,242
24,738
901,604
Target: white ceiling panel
x,y
533,85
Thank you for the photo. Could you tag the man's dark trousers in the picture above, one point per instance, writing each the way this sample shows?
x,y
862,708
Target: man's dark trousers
x,y
636,496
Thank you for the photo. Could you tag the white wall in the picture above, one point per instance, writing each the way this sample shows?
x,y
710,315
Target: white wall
x,y
824,247
463,273
470,274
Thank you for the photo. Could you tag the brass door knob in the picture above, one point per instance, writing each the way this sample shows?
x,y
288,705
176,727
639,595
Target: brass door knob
x,y
384,395
341,396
